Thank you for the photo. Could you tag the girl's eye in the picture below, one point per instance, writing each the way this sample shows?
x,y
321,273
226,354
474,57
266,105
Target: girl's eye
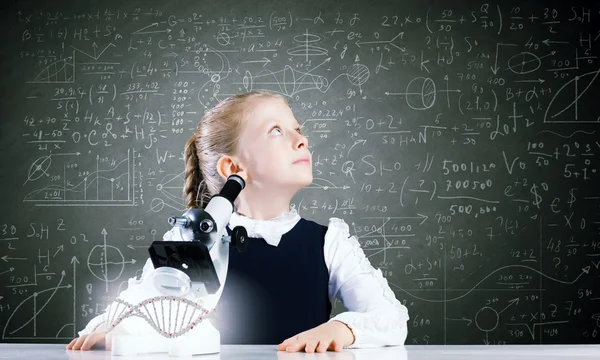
x,y
276,128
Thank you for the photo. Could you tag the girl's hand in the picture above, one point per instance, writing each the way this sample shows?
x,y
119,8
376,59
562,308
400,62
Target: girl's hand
x,y
333,335
87,341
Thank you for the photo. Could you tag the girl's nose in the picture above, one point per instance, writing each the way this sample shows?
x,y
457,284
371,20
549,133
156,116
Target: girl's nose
x,y
301,141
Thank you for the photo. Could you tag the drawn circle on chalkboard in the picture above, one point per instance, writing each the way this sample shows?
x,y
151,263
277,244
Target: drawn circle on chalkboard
x,y
223,38
487,319
111,261
289,80
321,82
306,38
358,74
424,97
157,205
247,81
305,49
215,78
39,168
526,61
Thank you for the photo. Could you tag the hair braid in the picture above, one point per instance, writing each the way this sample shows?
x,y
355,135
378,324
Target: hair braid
x,y
195,190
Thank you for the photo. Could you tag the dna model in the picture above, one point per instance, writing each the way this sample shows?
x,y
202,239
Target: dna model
x,y
169,316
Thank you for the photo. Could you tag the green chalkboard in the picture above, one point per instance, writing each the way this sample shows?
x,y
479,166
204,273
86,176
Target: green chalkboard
x,y
458,140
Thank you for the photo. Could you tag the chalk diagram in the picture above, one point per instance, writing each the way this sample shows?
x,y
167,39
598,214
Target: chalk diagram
x,y
420,93
387,237
290,82
564,105
171,191
215,73
487,318
325,184
106,262
111,183
61,71
287,81
525,62
30,308
378,241
305,48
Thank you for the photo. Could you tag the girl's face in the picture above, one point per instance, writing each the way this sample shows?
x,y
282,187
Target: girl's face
x,y
271,145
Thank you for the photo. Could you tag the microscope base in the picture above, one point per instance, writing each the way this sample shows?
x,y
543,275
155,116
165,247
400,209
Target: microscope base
x,y
203,339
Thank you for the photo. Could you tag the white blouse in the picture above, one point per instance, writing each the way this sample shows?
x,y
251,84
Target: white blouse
x,y
374,314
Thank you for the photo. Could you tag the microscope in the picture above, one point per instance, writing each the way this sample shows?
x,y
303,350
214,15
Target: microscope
x,y
199,262
187,280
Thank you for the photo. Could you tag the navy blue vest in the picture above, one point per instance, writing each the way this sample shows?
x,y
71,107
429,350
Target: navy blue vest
x,y
274,292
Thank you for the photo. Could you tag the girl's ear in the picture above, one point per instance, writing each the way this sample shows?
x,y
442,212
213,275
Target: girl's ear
x,y
228,165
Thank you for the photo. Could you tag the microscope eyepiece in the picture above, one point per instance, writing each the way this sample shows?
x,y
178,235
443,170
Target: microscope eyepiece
x,y
232,188
182,221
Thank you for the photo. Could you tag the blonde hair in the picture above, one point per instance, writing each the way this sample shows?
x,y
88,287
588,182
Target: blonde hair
x,y
217,134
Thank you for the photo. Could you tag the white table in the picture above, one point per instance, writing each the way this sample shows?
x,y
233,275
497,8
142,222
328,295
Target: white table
x,y
409,352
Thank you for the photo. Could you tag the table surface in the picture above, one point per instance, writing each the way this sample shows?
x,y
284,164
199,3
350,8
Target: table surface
x,y
409,352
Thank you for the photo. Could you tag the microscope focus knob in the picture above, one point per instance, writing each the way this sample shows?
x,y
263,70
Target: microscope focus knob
x,y
239,238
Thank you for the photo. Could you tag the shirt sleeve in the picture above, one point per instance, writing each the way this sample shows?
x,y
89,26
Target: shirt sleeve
x,y
374,314
138,289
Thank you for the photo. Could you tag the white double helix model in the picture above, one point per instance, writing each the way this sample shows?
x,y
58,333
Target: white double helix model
x,y
168,315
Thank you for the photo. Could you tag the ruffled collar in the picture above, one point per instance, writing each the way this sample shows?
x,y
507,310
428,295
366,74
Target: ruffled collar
x,y
271,230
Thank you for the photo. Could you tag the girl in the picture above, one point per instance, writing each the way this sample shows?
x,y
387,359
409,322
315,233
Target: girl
x,y
279,290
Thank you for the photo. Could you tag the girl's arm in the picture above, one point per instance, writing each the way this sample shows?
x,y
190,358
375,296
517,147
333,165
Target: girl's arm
x,y
374,314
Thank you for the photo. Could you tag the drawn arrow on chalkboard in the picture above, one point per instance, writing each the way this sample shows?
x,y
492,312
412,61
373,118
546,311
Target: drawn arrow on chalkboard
x,y
132,247
141,31
510,302
132,261
541,81
9,270
548,42
420,216
401,34
469,321
324,62
424,217
74,261
495,67
95,47
6,258
265,61
59,248
359,141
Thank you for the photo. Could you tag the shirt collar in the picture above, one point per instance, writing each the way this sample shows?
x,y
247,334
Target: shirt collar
x,y
271,230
